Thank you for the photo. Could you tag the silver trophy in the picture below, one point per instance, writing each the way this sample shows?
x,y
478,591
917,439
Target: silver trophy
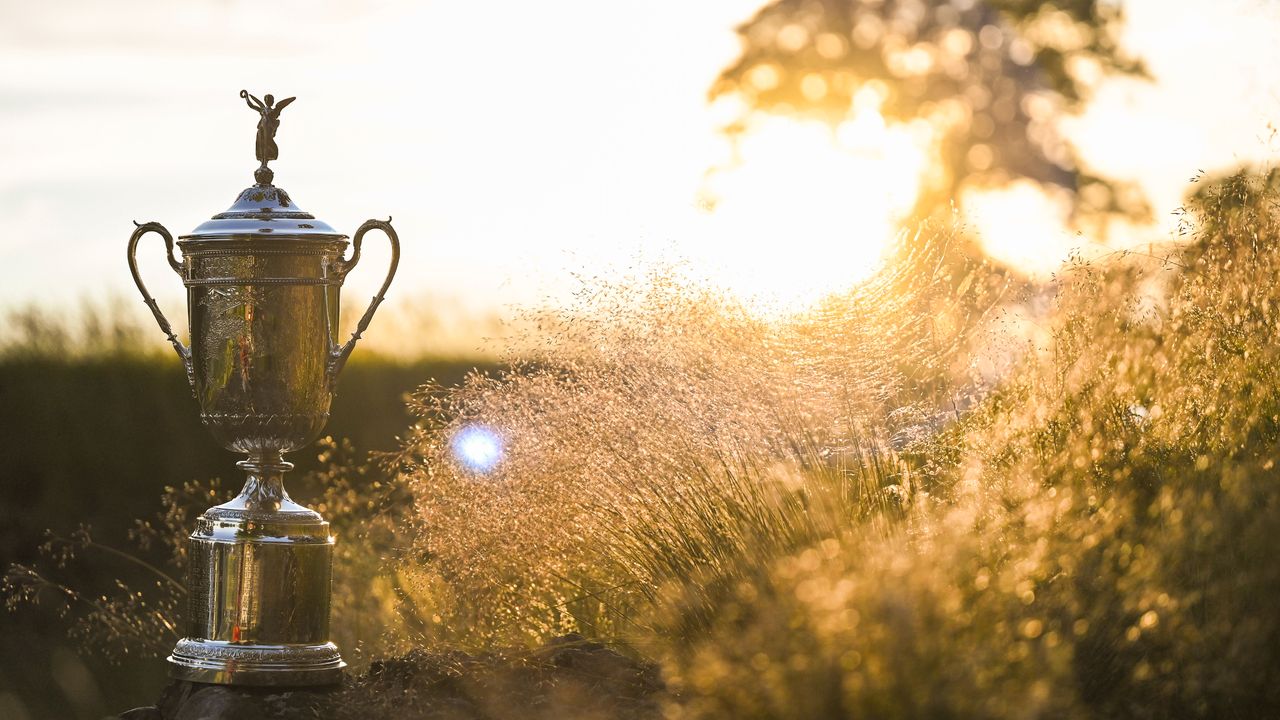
x,y
263,282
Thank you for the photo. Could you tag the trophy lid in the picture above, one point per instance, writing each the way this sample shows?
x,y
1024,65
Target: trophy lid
x,y
263,211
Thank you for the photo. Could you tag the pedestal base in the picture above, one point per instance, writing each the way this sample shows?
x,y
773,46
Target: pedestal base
x,y
258,591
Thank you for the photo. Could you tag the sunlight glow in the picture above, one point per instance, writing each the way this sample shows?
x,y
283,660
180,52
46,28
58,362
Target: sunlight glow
x,y
805,211
508,176
476,447
1022,226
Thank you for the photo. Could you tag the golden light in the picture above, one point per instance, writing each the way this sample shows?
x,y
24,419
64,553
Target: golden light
x,y
1021,225
805,210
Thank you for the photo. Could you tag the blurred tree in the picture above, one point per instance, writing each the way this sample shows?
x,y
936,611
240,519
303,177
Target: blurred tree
x,y
990,79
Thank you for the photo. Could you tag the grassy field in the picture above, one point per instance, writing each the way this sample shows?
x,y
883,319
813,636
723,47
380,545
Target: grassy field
x,y
943,494
912,503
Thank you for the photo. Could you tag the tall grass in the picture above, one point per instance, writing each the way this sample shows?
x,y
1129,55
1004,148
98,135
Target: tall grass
x,y
676,437
838,516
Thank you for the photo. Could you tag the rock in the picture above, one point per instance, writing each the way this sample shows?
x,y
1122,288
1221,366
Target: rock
x,y
569,677
215,702
182,700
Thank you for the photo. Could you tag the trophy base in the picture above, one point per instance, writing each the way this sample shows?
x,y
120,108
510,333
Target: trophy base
x,y
258,591
222,663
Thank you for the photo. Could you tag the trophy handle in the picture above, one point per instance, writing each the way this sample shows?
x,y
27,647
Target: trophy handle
x,y
142,229
338,356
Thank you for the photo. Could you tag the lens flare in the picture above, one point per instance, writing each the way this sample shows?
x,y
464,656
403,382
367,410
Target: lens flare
x,y
478,448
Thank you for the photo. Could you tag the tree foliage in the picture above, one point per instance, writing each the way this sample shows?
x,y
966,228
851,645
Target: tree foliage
x,y
989,80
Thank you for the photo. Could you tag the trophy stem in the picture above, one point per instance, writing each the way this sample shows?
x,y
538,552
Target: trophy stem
x,y
263,489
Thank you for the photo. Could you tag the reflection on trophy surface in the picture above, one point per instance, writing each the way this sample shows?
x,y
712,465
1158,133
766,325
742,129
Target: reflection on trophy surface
x,y
263,281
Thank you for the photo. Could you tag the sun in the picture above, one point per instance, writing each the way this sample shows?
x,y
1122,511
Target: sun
x,y
806,209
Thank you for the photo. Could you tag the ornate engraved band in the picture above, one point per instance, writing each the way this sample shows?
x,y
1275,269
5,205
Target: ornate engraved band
x,y
293,655
225,252
265,215
262,418
200,282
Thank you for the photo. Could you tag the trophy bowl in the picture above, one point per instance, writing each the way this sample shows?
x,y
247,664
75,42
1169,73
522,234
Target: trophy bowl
x,y
261,350
263,286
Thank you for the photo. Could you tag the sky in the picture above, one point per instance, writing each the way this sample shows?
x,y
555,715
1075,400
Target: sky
x,y
524,148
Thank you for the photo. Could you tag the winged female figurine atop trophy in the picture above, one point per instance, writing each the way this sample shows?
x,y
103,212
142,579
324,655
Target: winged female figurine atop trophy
x,y
265,147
